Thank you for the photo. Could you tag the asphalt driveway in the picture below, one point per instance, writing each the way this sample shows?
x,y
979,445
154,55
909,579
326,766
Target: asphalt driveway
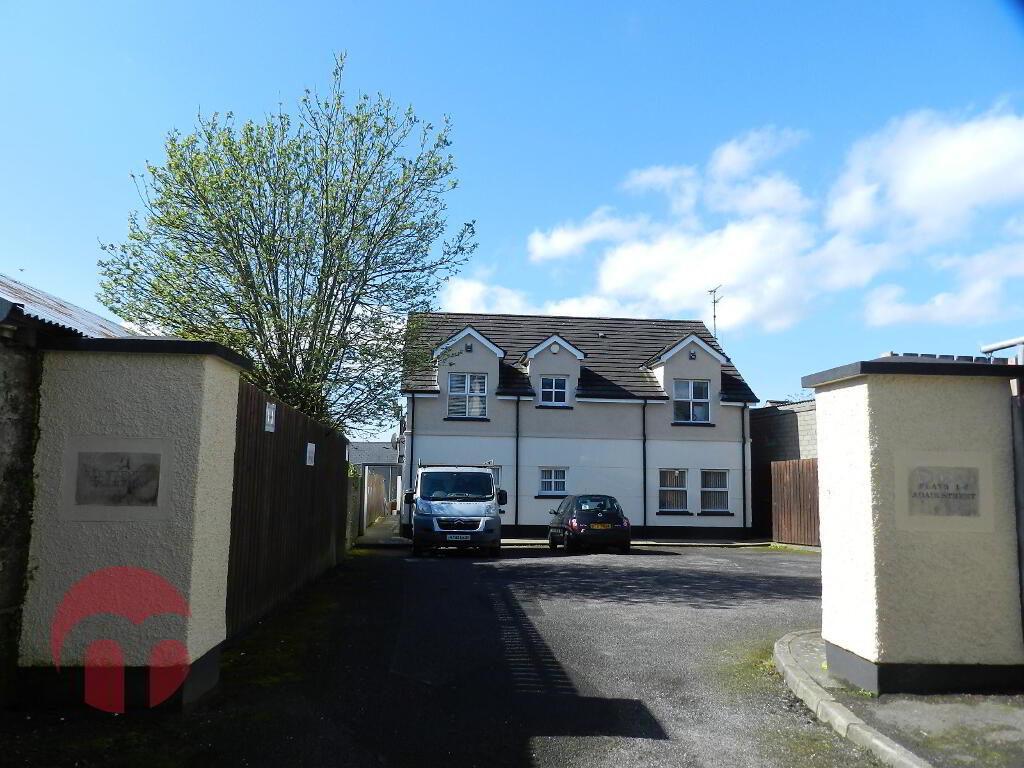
x,y
657,658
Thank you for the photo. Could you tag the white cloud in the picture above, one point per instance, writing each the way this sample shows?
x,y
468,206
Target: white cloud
x,y
757,261
980,297
477,295
906,196
739,157
975,302
569,239
844,262
761,194
679,183
468,295
923,177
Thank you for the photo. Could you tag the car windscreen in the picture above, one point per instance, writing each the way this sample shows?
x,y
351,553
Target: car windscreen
x,y
456,486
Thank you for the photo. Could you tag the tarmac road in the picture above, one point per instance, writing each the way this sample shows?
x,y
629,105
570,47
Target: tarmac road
x,y
656,658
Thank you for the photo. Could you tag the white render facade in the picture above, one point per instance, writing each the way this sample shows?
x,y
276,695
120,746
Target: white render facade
x,y
676,445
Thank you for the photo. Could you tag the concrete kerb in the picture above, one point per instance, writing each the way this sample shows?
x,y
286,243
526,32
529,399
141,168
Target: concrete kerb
x,y
828,710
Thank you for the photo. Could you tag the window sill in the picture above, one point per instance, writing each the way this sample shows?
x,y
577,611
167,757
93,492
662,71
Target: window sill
x,y
554,407
551,495
692,424
466,418
680,514
716,514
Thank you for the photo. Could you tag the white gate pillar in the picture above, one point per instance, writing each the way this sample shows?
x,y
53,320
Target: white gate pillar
x,y
920,589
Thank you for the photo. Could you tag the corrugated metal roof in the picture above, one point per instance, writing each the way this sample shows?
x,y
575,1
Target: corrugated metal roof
x,y
46,307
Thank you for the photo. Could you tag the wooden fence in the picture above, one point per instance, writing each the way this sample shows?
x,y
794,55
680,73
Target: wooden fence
x,y
795,502
287,516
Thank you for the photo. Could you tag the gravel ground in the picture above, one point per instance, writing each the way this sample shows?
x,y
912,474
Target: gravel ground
x,y
657,658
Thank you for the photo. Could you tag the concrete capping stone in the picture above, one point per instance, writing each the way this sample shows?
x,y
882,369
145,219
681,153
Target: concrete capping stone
x,y
825,707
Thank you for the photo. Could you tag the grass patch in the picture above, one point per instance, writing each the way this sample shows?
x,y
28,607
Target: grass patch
x,y
792,734
785,548
749,669
975,746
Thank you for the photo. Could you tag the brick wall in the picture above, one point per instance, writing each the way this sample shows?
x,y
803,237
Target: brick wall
x,y
783,432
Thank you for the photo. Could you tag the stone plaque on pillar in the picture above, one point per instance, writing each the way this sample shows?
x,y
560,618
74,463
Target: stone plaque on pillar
x,y
944,491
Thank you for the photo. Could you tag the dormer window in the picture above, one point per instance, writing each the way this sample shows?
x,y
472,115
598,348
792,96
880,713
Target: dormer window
x,y
467,395
691,400
553,390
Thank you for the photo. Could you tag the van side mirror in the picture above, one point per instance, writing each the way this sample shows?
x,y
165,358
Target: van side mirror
x,y
502,497
407,498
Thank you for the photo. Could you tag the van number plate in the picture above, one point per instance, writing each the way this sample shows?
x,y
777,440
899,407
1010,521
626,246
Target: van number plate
x,y
458,537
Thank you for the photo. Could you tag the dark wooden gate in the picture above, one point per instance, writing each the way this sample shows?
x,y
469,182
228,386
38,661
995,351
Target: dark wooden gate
x,y
795,502
287,517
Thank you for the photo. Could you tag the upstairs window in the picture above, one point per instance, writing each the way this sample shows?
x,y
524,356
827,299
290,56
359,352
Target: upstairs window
x,y
552,390
691,400
467,395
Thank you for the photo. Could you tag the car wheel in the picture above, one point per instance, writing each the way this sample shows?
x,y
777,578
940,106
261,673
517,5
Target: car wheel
x,y
625,549
570,543
417,550
552,544
496,551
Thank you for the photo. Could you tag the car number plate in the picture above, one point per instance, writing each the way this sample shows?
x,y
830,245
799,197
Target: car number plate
x,y
601,526
458,537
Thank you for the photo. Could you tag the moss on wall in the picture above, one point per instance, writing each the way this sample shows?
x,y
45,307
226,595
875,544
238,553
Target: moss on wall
x,y
19,411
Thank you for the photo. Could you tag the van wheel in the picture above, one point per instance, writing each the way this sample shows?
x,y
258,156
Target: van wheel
x,y
496,551
552,544
417,550
625,549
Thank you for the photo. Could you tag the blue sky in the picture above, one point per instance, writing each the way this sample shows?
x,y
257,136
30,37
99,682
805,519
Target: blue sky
x,y
851,173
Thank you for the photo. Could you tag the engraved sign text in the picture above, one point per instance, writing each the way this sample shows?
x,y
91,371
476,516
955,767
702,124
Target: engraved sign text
x,y
944,491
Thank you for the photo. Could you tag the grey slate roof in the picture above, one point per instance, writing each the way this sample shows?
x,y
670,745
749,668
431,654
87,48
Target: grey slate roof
x,y
39,305
372,453
614,364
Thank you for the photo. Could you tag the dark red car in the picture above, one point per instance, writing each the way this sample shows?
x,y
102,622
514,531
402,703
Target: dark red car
x,y
589,520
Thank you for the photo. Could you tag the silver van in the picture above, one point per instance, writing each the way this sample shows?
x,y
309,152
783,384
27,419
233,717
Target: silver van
x,y
456,506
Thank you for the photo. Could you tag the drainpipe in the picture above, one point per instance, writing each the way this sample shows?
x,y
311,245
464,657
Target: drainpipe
x,y
1017,444
412,440
743,458
517,463
643,460
406,528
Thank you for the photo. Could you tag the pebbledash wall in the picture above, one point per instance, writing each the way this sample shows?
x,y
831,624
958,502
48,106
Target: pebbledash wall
x,y
179,406
601,444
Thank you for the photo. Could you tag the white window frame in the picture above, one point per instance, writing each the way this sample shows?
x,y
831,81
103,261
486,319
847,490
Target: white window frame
x,y
496,476
466,395
553,390
554,480
703,488
683,488
691,400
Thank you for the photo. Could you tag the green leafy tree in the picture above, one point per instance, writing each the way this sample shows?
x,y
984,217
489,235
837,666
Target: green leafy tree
x,y
302,243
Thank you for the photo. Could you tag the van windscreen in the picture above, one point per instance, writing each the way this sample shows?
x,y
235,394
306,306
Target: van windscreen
x,y
456,486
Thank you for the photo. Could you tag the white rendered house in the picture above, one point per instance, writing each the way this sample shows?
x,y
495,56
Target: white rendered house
x,y
649,411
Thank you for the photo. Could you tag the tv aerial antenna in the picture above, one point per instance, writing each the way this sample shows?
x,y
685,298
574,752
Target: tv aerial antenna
x,y
715,298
